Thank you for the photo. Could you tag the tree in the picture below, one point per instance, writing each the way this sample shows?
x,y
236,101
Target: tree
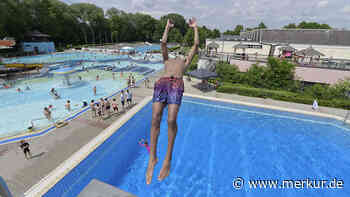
x,y
216,33
228,73
262,26
312,25
84,22
189,37
90,15
290,26
178,20
238,29
114,12
279,74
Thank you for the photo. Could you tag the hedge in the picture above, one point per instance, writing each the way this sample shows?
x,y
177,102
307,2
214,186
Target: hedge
x,y
280,95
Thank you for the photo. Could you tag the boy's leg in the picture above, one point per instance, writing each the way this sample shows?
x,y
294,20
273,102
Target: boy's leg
x,y
173,110
157,111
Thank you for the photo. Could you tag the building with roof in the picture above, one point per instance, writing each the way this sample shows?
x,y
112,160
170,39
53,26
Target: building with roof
x,y
333,44
300,36
7,43
37,43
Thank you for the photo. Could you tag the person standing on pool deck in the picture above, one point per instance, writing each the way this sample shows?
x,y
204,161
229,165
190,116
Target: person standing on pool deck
x,y
168,90
128,97
122,98
94,89
25,147
93,109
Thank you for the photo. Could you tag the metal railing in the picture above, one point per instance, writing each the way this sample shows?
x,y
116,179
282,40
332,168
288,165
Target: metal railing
x,y
338,64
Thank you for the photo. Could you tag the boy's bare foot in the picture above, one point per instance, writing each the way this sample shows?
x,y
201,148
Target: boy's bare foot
x,y
164,172
150,169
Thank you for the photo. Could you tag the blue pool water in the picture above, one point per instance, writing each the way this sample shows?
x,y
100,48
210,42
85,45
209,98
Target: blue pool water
x,y
63,57
216,143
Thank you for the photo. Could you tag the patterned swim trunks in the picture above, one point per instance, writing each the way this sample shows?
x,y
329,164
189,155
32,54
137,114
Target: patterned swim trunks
x,y
168,90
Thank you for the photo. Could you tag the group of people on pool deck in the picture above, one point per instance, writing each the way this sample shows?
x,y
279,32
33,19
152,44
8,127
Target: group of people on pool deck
x,y
104,107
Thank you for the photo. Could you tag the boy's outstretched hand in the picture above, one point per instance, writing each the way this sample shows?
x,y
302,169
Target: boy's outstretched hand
x,y
169,24
192,23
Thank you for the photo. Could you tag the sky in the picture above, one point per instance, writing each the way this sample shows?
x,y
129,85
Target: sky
x,y
226,14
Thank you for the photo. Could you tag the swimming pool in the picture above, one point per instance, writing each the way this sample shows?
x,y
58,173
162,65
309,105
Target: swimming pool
x,y
24,108
64,57
216,143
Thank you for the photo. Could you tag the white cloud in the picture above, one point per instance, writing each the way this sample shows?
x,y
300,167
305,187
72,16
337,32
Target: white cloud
x,y
225,14
322,4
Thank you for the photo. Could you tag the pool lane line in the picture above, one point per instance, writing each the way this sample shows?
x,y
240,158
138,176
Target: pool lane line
x,y
41,132
46,183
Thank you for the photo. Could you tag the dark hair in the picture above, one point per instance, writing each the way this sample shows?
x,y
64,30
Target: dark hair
x,y
68,101
92,101
114,99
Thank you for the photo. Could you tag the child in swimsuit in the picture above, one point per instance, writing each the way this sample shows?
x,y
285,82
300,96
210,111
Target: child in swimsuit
x,y
115,105
145,144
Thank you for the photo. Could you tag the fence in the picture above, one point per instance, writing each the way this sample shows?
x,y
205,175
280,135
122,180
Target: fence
x,y
339,64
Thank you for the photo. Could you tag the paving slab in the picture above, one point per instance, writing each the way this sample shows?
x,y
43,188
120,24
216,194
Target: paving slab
x,y
98,188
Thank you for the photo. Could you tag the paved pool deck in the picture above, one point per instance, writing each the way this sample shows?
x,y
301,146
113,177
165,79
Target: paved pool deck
x,y
55,147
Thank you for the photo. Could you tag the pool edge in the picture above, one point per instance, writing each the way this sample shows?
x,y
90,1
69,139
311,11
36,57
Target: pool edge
x,y
298,111
46,183
65,167
47,129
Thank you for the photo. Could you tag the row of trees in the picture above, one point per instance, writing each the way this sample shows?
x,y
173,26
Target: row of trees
x,y
303,25
239,28
83,23
307,25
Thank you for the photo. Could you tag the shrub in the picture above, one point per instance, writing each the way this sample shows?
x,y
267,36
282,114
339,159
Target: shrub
x,y
279,74
281,95
174,48
194,64
255,76
228,72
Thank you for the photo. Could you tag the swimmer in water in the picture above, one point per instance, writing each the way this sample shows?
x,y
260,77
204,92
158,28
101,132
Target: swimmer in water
x,y
144,143
94,89
68,105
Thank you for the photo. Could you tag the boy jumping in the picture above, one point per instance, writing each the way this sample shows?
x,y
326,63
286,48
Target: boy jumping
x,y
168,90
